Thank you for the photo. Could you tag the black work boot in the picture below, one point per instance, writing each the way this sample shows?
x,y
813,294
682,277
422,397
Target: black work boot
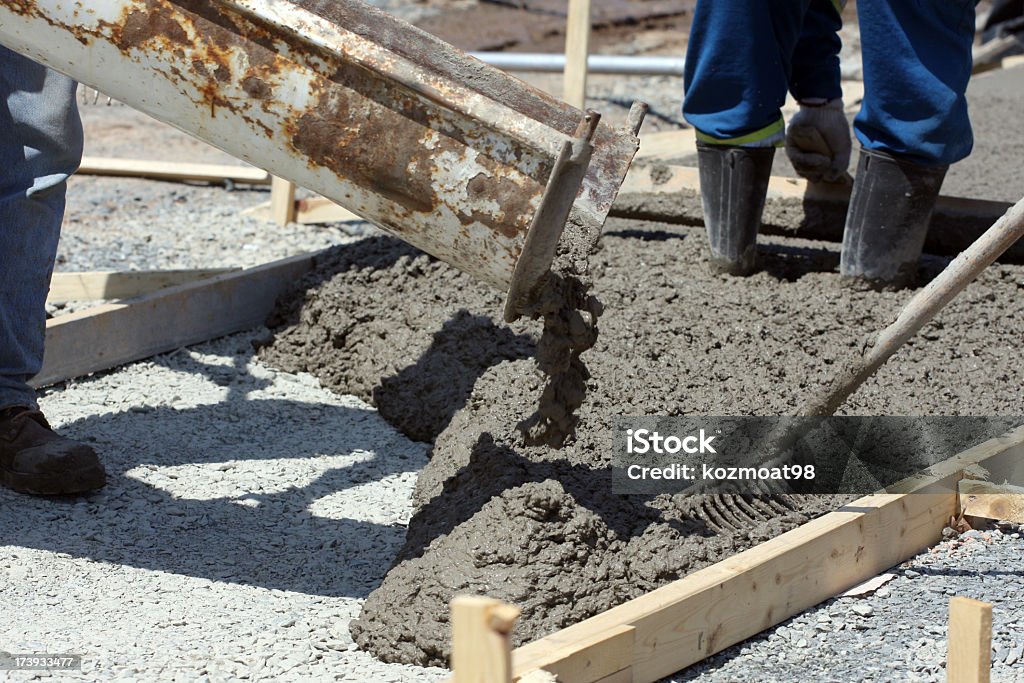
x,y
888,218
733,186
34,459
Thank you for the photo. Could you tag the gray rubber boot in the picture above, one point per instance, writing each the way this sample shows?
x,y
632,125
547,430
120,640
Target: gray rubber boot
x,y
733,185
888,218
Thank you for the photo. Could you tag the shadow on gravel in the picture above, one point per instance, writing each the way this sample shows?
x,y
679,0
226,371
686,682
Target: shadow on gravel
x,y
228,491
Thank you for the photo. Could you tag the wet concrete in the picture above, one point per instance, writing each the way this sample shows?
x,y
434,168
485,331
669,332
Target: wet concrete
x,y
539,526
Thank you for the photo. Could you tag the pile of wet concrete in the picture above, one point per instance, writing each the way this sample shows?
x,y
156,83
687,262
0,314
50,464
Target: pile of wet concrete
x,y
539,526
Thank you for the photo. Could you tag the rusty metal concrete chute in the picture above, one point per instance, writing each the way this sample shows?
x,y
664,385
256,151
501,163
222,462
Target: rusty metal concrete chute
x,y
473,155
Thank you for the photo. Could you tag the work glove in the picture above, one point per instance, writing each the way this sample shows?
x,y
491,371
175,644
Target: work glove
x,y
818,142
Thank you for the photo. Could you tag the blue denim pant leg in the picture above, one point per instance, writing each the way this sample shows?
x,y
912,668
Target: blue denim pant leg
x,y
743,56
917,63
40,146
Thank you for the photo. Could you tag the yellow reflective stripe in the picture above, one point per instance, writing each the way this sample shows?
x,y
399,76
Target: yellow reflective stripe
x,y
777,128
840,5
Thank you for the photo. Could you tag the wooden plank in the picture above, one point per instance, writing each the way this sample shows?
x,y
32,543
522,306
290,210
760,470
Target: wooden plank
x,y
667,145
480,639
992,501
577,48
313,210
282,201
695,617
595,658
96,285
113,334
624,676
969,658
172,170
797,208
659,179
323,210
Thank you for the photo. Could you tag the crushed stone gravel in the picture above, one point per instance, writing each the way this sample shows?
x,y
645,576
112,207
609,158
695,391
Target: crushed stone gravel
x,y
247,515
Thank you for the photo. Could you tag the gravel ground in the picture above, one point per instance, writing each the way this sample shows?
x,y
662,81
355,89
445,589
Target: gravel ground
x,y
250,511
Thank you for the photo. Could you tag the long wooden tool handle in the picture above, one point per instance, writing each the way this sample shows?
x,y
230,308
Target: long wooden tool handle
x,y
923,306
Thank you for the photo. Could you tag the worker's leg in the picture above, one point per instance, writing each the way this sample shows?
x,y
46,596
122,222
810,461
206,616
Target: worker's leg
x,y
40,146
913,123
738,66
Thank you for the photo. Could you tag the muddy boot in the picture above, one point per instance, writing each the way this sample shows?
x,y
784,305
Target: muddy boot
x,y
733,185
33,459
888,219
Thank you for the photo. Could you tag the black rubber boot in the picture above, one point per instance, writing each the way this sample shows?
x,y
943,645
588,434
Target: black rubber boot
x,y
888,218
733,185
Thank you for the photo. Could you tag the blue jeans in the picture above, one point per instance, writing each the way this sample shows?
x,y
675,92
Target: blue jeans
x,y
745,54
40,146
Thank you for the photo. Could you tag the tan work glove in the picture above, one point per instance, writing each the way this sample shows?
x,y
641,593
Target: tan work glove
x,y
818,142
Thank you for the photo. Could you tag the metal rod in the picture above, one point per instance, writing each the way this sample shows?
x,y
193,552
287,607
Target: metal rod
x,y
637,65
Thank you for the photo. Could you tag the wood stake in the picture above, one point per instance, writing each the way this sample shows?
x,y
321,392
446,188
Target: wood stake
x,y
577,47
970,641
481,647
282,201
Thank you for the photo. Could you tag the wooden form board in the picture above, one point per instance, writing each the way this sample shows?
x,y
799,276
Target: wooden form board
x,y
106,285
797,208
113,334
992,501
308,211
658,179
171,170
688,620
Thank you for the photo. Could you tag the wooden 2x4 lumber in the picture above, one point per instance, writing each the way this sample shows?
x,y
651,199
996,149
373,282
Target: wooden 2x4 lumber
x,y
660,179
797,208
690,619
312,210
172,170
113,334
992,501
106,285
600,657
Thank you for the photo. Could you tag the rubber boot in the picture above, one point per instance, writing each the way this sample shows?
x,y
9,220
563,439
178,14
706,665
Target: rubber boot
x,y
888,218
733,186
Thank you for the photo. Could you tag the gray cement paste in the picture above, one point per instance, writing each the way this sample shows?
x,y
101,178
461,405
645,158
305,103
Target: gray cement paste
x,y
539,526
